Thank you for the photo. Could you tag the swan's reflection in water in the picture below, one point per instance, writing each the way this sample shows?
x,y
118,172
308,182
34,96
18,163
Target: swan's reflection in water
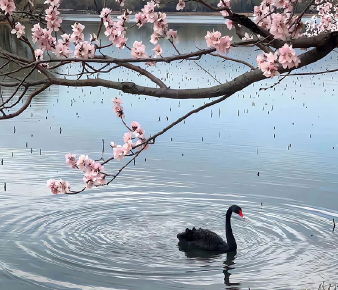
x,y
228,264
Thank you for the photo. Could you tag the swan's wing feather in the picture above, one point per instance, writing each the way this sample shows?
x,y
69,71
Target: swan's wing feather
x,y
202,239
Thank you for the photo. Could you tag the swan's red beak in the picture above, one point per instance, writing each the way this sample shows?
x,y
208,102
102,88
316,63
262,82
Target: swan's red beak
x,y
241,214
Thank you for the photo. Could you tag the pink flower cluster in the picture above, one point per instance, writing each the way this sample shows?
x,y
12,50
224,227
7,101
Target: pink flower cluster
x,y
43,37
268,64
62,48
77,35
53,15
84,50
94,175
8,6
327,20
136,132
221,4
286,56
19,30
215,39
281,25
118,109
139,50
38,54
159,20
158,50
57,187
180,5
115,29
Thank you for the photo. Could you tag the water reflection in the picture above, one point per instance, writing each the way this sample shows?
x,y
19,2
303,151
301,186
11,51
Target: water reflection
x,y
210,257
228,266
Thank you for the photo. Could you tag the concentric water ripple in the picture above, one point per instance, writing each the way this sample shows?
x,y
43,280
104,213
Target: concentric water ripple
x,y
129,236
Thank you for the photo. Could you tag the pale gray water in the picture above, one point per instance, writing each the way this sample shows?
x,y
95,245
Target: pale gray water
x,y
124,236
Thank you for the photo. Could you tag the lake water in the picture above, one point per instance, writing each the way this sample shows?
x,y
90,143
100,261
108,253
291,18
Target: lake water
x,y
123,236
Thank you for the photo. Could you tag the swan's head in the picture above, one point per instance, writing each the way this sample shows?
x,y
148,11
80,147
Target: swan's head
x,y
237,209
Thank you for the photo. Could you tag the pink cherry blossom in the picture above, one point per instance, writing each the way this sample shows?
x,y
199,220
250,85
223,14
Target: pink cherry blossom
x,y
77,35
84,50
229,24
221,4
149,11
94,169
139,133
52,18
62,48
140,141
158,50
140,19
118,152
71,160
64,186
139,50
278,26
8,6
127,147
215,39
125,17
117,101
43,37
60,186
127,137
83,161
19,30
89,181
267,62
38,54
118,109
134,126
180,5
288,57
53,185
116,33
173,34
154,38
105,14
160,27
100,180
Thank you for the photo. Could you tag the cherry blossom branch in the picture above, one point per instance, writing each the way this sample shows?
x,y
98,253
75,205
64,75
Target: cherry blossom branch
x,y
121,169
16,89
234,59
275,84
315,73
185,117
145,73
26,104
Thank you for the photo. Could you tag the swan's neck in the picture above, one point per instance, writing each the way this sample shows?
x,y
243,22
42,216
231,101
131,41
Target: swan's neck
x,y
228,232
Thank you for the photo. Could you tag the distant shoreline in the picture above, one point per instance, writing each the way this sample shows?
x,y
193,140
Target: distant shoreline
x,y
71,13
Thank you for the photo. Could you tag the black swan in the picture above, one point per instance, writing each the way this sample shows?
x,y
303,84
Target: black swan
x,y
210,241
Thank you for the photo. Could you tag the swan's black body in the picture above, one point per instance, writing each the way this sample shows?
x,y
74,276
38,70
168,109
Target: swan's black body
x,y
208,240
